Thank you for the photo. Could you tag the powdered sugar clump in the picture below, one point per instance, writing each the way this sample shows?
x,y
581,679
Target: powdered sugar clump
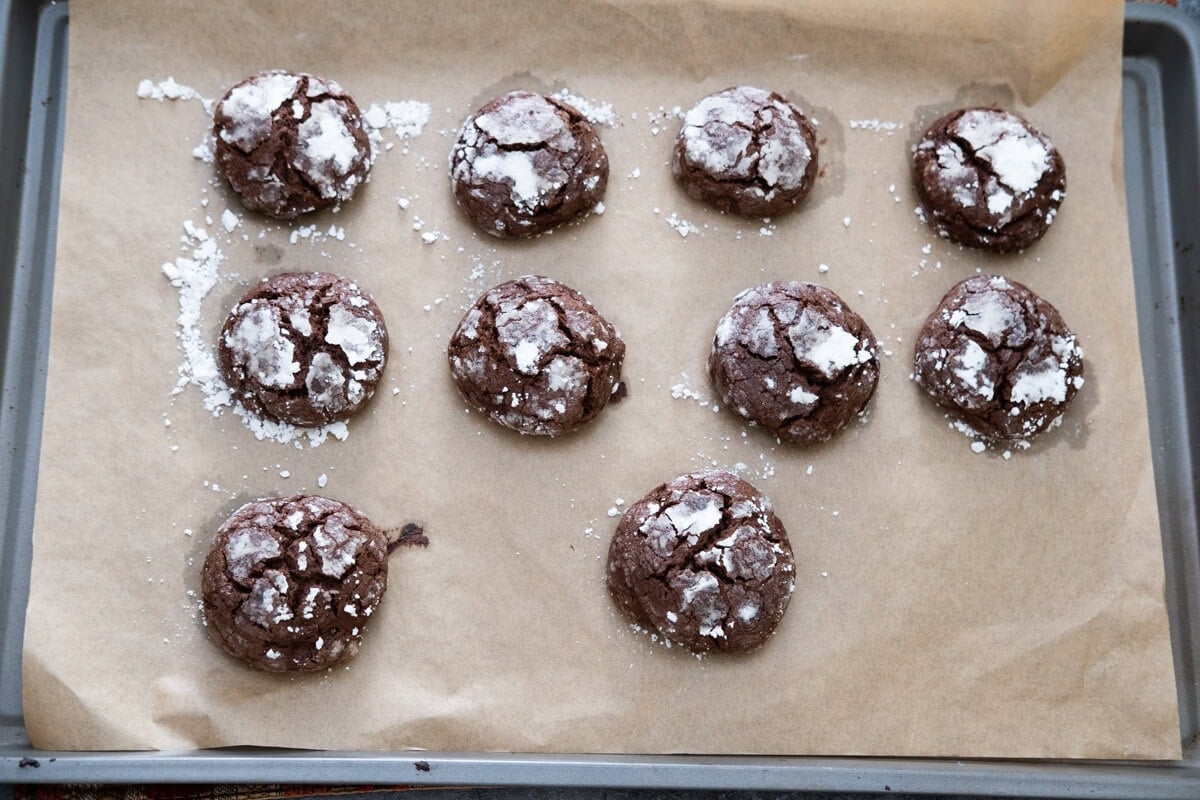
x,y
170,90
596,112
876,125
407,118
682,226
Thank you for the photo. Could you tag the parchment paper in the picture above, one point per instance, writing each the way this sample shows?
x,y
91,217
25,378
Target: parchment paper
x,y
948,603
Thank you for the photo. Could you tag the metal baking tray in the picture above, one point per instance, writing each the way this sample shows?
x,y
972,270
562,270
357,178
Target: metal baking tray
x,y
1162,168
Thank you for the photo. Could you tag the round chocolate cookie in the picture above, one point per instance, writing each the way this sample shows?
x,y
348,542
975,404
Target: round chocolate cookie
x,y
704,561
795,359
305,348
746,150
999,357
290,582
988,179
289,143
524,163
536,356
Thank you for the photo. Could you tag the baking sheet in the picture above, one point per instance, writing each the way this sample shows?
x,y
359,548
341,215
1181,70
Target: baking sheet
x,y
1098,659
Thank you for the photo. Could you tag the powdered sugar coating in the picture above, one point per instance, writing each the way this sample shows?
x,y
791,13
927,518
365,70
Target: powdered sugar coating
x,y
290,143
795,359
524,163
703,560
250,106
288,582
746,150
527,355
1000,357
989,179
328,150
304,348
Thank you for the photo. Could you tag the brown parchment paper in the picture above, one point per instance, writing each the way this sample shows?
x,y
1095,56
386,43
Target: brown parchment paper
x,y
948,603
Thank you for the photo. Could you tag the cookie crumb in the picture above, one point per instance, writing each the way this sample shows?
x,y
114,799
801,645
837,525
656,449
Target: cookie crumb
x,y
409,535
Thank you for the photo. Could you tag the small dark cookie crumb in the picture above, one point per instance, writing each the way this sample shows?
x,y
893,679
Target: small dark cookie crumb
x,y
986,178
746,150
999,357
306,348
290,582
703,560
795,359
524,163
289,143
536,356
410,535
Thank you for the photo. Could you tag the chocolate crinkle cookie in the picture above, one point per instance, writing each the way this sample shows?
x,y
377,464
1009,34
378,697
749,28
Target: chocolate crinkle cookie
x,y
1000,358
986,178
746,150
524,163
536,357
306,348
289,143
290,582
795,359
704,561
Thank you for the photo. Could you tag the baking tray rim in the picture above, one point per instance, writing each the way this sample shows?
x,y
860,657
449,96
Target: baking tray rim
x,y
19,762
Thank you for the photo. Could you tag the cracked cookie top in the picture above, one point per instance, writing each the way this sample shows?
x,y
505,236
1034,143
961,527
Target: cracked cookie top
x,y
524,163
986,178
306,348
746,150
795,359
1000,357
290,582
704,561
290,143
536,357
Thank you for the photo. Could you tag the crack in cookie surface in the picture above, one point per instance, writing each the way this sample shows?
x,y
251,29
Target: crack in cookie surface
x,y
289,583
746,150
304,348
999,356
987,178
524,163
794,359
290,143
704,561
536,357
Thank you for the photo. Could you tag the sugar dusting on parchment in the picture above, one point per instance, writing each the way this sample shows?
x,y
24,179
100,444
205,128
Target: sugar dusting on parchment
x,y
197,270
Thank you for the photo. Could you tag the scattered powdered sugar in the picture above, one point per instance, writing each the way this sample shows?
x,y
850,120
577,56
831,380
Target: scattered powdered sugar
x,y
407,118
683,390
230,221
682,226
194,274
876,126
170,90
596,112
